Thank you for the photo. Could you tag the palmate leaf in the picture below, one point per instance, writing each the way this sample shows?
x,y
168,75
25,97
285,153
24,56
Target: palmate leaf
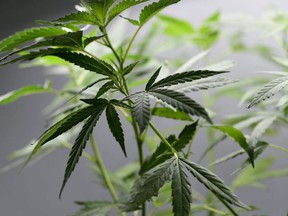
x,y
181,190
269,90
181,102
122,6
213,183
149,186
202,84
79,17
27,35
61,127
24,91
80,144
115,126
170,113
93,208
238,137
150,10
184,77
141,110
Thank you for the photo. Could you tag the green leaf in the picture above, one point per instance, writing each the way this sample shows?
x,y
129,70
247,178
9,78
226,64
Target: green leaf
x,y
92,208
62,126
181,102
238,137
141,110
105,88
149,185
260,128
202,84
24,91
150,10
129,68
27,35
87,63
120,103
115,126
122,6
152,79
186,136
170,113
181,190
80,144
132,21
79,17
184,77
89,40
251,177
100,8
213,183
269,90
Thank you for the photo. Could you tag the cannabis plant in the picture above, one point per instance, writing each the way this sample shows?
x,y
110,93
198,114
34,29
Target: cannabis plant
x,y
115,79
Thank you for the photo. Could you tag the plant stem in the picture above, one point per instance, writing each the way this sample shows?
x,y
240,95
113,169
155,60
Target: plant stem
x,y
130,44
100,164
163,138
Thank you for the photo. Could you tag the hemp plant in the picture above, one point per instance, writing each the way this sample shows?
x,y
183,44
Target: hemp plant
x,y
114,82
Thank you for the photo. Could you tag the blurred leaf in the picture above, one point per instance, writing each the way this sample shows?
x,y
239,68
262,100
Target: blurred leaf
x,y
170,113
93,208
81,17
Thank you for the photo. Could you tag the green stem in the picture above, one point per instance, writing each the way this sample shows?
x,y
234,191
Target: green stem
x,y
100,164
163,138
279,147
130,43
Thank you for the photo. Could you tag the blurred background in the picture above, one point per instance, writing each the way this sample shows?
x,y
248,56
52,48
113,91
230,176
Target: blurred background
x,y
34,191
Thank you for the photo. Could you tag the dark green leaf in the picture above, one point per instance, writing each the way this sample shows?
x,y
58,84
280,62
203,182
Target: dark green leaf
x,y
80,144
24,91
238,137
149,185
269,90
96,101
105,88
152,79
184,77
181,102
141,110
122,6
79,17
115,126
89,40
170,113
213,183
150,10
181,190
87,63
186,136
120,103
27,35
128,69
93,208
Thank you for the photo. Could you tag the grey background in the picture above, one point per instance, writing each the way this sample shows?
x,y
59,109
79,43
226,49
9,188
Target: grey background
x,y
34,192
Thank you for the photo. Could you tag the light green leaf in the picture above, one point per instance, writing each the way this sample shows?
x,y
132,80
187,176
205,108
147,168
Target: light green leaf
x,y
80,144
150,10
238,137
181,102
260,128
115,126
213,183
100,8
79,17
170,113
181,190
24,91
27,35
122,6
141,110
269,90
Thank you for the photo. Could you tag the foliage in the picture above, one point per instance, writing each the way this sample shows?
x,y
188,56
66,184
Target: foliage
x,y
128,82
